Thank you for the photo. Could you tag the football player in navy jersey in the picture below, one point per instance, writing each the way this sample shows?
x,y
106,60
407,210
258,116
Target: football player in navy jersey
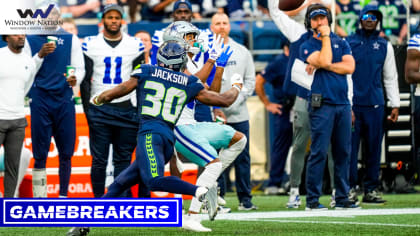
x,y
110,58
162,92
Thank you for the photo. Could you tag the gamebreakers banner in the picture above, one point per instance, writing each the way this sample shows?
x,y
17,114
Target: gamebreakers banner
x,y
162,212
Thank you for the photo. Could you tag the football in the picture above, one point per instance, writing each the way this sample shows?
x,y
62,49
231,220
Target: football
x,y
289,5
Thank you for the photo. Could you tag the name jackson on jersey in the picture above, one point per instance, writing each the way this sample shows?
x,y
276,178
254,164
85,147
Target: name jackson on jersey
x,y
171,77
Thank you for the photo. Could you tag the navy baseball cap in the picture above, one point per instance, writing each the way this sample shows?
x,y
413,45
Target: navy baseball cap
x,y
182,4
317,12
113,7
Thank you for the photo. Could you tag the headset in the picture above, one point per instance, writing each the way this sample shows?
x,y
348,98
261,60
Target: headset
x,y
316,7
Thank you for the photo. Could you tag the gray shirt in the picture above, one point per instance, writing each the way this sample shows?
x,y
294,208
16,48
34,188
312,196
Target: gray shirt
x,y
240,62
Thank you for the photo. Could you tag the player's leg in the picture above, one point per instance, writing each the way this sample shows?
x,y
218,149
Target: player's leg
x,y
374,137
64,131
100,138
25,158
124,181
301,136
12,153
41,132
341,149
123,143
322,121
282,140
243,169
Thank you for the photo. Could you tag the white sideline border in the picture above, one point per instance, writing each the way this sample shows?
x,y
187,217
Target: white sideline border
x,y
270,216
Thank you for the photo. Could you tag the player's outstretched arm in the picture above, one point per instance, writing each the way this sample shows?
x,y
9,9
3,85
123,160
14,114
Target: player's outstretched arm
x,y
412,65
222,100
116,92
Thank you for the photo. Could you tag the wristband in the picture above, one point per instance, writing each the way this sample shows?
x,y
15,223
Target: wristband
x,y
236,87
325,35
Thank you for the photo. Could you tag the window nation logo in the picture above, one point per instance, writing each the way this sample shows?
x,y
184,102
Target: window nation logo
x,y
38,12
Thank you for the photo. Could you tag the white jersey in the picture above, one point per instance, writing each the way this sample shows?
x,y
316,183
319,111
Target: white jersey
x,y
414,43
187,115
111,66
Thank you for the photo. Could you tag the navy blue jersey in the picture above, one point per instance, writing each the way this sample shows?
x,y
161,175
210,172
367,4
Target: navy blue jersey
x,y
274,74
349,15
161,96
332,86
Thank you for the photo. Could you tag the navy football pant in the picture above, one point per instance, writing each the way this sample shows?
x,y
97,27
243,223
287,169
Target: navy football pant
x,y
152,153
329,123
53,116
282,140
368,125
123,142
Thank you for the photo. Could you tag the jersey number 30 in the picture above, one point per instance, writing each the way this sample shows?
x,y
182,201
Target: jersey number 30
x,y
107,74
164,101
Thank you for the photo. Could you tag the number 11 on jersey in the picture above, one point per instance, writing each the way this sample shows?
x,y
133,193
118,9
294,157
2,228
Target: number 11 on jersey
x,y
107,75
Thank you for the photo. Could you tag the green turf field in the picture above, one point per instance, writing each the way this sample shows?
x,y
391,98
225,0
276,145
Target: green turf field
x,y
399,216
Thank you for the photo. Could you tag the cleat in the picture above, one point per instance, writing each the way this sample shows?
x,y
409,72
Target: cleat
x,y
221,201
316,207
353,197
211,202
78,231
294,201
192,222
373,197
247,206
220,210
332,203
349,205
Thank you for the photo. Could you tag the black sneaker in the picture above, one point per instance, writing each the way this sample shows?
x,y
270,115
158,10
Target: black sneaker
x,y
349,205
78,231
315,207
373,197
247,205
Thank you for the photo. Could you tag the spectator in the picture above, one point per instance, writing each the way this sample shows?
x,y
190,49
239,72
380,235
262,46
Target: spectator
x,y
110,58
330,110
241,64
16,77
156,10
80,8
296,33
144,36
368,99
394,28
209,7
52,106
348,12
279,107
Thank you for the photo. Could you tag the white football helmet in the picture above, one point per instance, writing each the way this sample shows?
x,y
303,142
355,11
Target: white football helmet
x,y
178,30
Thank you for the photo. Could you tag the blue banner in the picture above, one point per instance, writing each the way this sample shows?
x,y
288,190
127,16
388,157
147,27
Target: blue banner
x,y
156,212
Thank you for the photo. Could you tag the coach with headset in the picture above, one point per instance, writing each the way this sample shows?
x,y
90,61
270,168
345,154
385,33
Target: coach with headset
x,y
330,109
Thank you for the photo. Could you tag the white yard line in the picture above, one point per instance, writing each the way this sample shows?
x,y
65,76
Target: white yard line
x,y
304,214
335,222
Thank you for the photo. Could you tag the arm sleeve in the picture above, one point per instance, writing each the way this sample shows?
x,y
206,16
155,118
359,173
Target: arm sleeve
x,y
391,77
290,28
77,59
249,79
346,48
27,48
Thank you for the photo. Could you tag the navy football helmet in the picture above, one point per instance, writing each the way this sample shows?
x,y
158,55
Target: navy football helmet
x,y
172,55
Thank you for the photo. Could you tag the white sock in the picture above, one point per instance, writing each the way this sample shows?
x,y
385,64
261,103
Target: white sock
x,y
228,155
39,183
294,191
207,179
